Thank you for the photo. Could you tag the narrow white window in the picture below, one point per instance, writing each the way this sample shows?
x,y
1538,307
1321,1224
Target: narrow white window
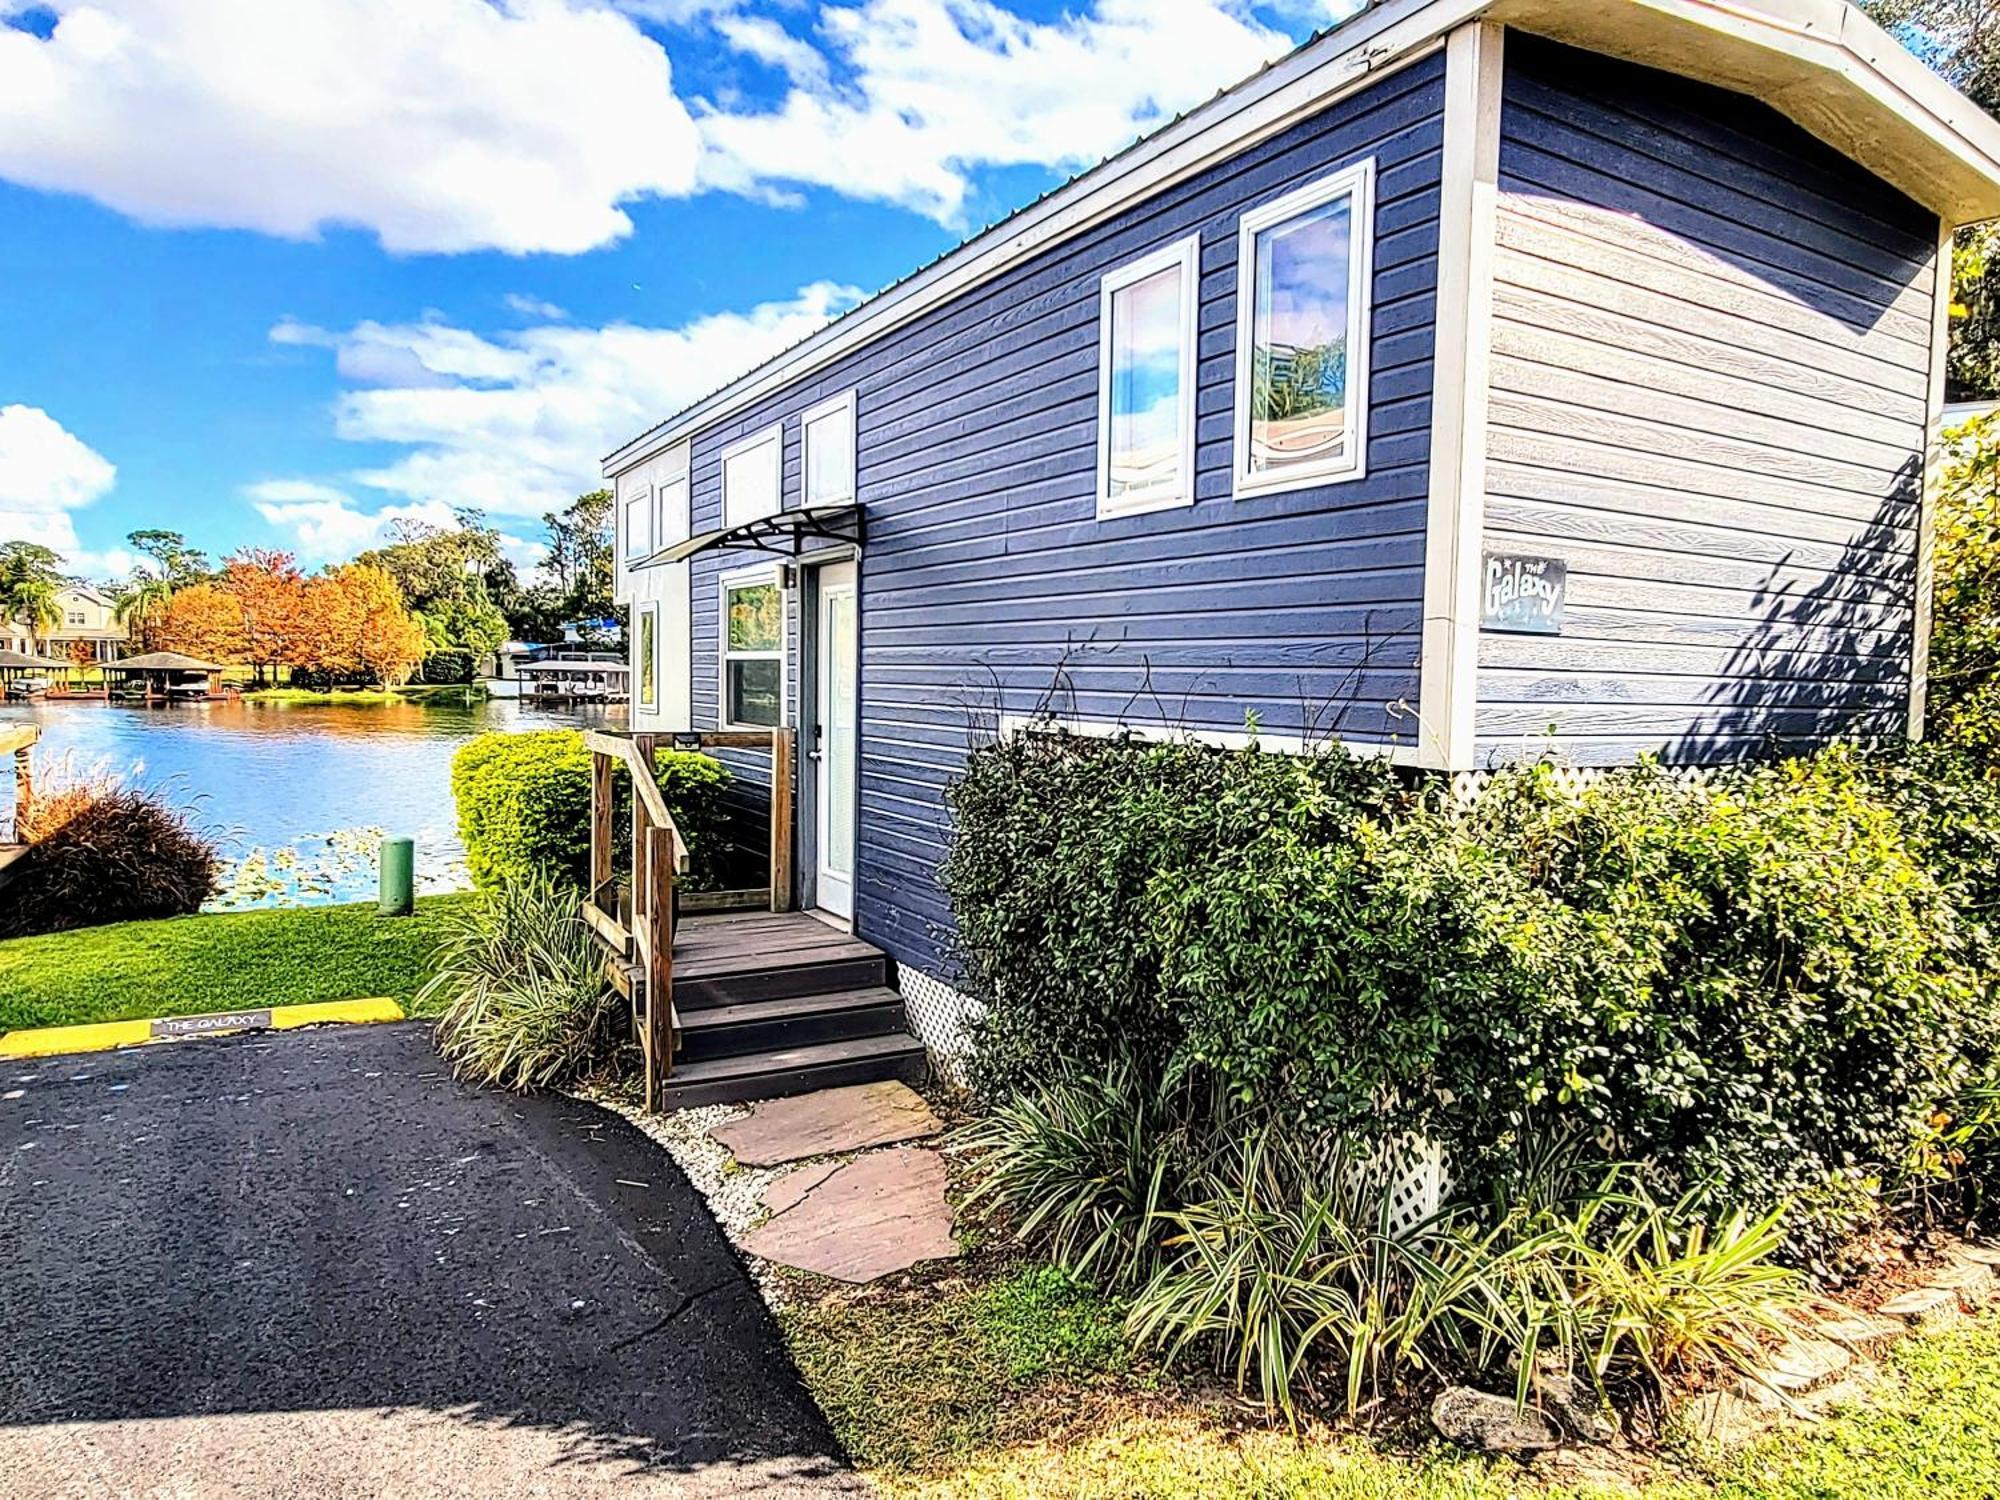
x,y
1145,381
827,432
753,651
646,657
638,521
1302,283
671,521
752,471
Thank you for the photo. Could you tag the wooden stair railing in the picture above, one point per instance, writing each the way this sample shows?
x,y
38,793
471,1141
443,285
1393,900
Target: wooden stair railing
x,y
638,930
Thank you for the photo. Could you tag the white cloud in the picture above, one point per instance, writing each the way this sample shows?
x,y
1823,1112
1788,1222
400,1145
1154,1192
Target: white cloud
x,y
932,90
440,125
534,307
516,424
46,473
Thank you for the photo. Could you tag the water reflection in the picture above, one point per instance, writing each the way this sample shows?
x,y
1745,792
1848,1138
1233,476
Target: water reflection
x,y
272,776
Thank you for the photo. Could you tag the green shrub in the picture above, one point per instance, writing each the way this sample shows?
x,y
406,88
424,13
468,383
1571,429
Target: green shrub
x,y
520,980
524,805
1751,986
1756,987
101,849
1060,841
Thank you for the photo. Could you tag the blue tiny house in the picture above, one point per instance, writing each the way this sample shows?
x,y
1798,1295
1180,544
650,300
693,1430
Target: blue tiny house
x,y
1475,373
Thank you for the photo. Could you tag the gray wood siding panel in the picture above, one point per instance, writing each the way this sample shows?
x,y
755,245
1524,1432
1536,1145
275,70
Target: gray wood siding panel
x,y
985,570
1709,362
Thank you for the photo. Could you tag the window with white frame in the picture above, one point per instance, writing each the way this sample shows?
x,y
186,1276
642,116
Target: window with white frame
x,y
646,658
827,433
751,473
637,520
1145,382
753,650
1302,283
671,519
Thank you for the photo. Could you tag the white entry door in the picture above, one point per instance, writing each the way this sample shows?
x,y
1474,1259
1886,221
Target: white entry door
x,y
833,756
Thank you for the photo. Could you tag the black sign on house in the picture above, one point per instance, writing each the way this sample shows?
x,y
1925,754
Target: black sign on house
x,y
1523,594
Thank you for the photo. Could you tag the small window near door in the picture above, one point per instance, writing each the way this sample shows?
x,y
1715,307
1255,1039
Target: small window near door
x,y
828,431
647,657
753,652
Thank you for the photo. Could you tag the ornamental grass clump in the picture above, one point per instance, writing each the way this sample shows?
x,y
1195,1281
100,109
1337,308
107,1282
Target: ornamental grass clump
x,y
104,849
525,1004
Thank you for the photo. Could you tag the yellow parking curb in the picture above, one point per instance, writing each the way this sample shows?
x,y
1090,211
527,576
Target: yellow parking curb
x,y
100,1036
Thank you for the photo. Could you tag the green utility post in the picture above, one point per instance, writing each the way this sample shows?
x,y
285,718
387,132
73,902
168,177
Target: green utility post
x,y
399,865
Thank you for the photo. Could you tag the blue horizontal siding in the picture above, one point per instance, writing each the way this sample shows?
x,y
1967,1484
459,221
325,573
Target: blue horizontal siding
x,y
1711,346
985,569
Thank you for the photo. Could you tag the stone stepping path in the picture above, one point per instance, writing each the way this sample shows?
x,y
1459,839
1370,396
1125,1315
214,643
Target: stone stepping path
x,y
855,1220
861,1220
827,1123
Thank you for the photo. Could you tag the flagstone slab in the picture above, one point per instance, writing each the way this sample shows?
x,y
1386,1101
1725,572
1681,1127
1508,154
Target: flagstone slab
x,y
863,1220
827,1122
795,1184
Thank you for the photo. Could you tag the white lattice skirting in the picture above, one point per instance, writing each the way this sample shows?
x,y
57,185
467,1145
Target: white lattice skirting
x,y
938,1015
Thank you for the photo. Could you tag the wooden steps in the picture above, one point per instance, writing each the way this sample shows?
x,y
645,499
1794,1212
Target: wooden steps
x,y
776,1003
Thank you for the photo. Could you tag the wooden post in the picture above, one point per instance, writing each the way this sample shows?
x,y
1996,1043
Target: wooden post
x,y
781,820
600,823
24,781
659,1040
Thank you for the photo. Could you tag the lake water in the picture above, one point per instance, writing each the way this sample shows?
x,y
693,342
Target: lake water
x,y
276,777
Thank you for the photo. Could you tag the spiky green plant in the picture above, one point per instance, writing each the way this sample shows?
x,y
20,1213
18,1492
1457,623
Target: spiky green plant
x,y
1083,1166
525,1003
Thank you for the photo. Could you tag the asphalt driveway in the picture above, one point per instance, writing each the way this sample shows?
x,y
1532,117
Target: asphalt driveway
x,y
311,1264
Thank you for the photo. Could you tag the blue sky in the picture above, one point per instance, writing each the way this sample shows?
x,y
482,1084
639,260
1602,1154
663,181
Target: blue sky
x,y
278,274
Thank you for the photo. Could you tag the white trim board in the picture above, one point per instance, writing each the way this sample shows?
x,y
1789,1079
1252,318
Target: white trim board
x,y
1819,61
1934,462
1222,739
1448,682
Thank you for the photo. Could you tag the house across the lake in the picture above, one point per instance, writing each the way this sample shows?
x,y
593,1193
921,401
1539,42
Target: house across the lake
x,y
1476,373
89,618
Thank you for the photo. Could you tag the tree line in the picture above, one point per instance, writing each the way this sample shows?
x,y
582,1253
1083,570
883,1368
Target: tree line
x,y
431,602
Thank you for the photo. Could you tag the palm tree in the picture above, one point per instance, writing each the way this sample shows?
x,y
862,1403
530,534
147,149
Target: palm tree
x,y
141,605
32,601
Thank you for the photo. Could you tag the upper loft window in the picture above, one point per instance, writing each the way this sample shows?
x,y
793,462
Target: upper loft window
x,y
752,472
1302,282
671,520
637,520
1145,381
827,432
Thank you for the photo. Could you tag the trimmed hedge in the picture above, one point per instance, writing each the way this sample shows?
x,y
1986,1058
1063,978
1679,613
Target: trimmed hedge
x,y
1760,988
524,806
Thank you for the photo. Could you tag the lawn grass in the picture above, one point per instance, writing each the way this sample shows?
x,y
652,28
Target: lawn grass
x,y
1017,1387
186,965
439,692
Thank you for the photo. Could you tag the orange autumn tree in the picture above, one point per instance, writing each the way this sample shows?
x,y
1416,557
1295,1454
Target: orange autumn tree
x,y
202,621
356,626
271,593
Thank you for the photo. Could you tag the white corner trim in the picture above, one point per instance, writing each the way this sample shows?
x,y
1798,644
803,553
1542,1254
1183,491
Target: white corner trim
x,y
832,406
1355,182
1222,739
1184,255
1448,685
1934,461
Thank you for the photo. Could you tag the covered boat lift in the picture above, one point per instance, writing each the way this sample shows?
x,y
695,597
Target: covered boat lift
x,y
165,676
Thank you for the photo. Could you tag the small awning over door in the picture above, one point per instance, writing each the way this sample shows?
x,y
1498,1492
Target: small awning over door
x,y
786,534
